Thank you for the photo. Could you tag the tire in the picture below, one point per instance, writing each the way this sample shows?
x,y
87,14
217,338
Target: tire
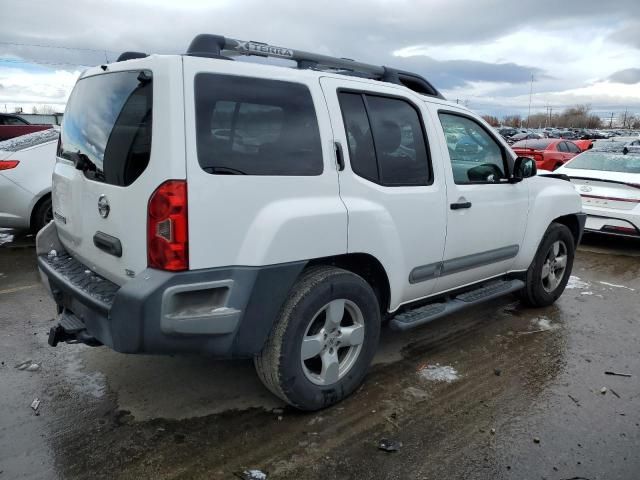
x,y
546,279
42,214
328,306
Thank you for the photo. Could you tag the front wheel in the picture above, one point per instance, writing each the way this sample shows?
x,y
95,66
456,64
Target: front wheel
x,y
324,340
549,272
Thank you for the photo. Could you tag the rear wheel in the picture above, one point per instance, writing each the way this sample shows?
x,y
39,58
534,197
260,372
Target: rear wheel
x,y
42,214
324,340
549,272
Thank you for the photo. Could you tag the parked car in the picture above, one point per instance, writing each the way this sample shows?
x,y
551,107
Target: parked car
x,y
549,153
26,166
568,135
524,136
291,243
609,184
583,145
12,126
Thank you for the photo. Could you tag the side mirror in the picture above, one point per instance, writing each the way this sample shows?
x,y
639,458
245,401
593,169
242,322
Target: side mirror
x,y
524,167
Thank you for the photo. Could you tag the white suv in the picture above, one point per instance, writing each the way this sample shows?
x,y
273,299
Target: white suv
x,y
235,209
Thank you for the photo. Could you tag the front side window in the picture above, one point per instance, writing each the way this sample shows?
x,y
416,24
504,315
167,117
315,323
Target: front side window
x,y
475,156
387,144
251,126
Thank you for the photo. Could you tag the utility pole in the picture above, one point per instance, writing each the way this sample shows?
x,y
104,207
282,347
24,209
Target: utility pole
x,y
624,122
611,121
530,95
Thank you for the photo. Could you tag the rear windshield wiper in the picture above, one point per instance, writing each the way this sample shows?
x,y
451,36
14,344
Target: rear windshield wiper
x,y
224,171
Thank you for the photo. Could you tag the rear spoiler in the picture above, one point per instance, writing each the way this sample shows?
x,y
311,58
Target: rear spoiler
x,y
628,184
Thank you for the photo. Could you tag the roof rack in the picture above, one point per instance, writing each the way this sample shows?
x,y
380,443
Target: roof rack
x,y
217,46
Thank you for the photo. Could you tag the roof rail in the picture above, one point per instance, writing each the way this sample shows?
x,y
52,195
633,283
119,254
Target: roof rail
x,y
217,46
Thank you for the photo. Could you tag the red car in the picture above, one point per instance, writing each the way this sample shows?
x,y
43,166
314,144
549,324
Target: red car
x,y
12,126
583,144
549,153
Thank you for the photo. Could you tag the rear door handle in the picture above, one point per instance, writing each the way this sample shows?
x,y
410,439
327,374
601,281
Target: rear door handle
x,y
339,156
460,205
108,243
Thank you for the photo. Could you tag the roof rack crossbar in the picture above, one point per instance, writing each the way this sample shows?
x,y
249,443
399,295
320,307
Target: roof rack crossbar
x,y
217,45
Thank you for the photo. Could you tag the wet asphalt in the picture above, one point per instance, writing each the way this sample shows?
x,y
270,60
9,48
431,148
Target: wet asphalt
x,y
497,392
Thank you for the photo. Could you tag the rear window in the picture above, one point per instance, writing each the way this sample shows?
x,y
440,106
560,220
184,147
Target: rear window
x,y
29,140
608,162
540,144
251,126
106,129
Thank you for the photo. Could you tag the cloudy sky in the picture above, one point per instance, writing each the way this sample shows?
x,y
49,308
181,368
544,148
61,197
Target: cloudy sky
x,y
482,52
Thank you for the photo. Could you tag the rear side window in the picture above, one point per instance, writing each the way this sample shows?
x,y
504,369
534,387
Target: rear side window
x,y
387,144
106,130
251,126
562,147
362,153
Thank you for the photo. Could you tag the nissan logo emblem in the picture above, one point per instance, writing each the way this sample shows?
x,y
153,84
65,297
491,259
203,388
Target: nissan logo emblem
x,y
103,206
585,188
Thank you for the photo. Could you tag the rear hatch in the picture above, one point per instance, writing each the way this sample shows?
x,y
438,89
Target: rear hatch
x,y
114,152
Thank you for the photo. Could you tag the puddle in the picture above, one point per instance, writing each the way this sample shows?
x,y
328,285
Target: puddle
x,y
439,373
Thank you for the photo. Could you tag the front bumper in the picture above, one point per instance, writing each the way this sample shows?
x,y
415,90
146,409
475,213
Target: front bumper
x,y
225,312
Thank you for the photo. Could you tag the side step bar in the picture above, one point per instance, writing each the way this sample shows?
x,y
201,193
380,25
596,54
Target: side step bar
x,y
427,313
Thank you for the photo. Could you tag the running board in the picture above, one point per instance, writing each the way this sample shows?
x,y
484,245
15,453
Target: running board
x,y
427,313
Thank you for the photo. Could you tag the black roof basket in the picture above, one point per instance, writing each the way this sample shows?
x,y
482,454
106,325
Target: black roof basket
x,y
217,46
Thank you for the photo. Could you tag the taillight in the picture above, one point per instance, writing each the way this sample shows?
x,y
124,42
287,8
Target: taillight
x,y
167,227
8,164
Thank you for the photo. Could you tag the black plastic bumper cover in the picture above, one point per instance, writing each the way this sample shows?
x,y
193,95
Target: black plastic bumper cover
x,y
127,318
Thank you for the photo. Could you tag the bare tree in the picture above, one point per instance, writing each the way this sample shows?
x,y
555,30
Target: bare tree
x,y
491,120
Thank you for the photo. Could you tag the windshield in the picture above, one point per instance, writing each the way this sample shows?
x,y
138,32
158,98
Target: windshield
x,y
106,129
608,162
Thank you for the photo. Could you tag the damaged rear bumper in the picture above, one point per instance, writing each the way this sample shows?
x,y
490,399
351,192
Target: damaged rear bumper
x,y
223,312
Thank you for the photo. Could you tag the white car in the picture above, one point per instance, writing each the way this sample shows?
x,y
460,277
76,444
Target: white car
x,y
26,166
235,209
608,180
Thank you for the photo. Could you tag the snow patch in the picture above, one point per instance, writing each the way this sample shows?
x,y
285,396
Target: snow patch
x,y
5,237
544,324
617,286
586,293
575,282
438,373
52,254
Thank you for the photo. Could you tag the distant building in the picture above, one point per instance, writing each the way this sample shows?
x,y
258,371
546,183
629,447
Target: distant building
x,y
40,118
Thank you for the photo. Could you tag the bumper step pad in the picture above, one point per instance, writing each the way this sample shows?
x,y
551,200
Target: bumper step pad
x,y
70,329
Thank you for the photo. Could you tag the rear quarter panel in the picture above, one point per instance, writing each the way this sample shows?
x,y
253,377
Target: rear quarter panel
x,y
255,220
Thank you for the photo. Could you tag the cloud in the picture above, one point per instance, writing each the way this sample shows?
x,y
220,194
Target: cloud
x,y
628,34
628,76
456,44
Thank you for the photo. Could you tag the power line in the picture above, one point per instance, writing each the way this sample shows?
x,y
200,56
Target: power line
x,y
28,60
97,50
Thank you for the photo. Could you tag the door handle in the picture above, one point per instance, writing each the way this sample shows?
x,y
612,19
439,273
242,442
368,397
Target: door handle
x,y
339,156
460,205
